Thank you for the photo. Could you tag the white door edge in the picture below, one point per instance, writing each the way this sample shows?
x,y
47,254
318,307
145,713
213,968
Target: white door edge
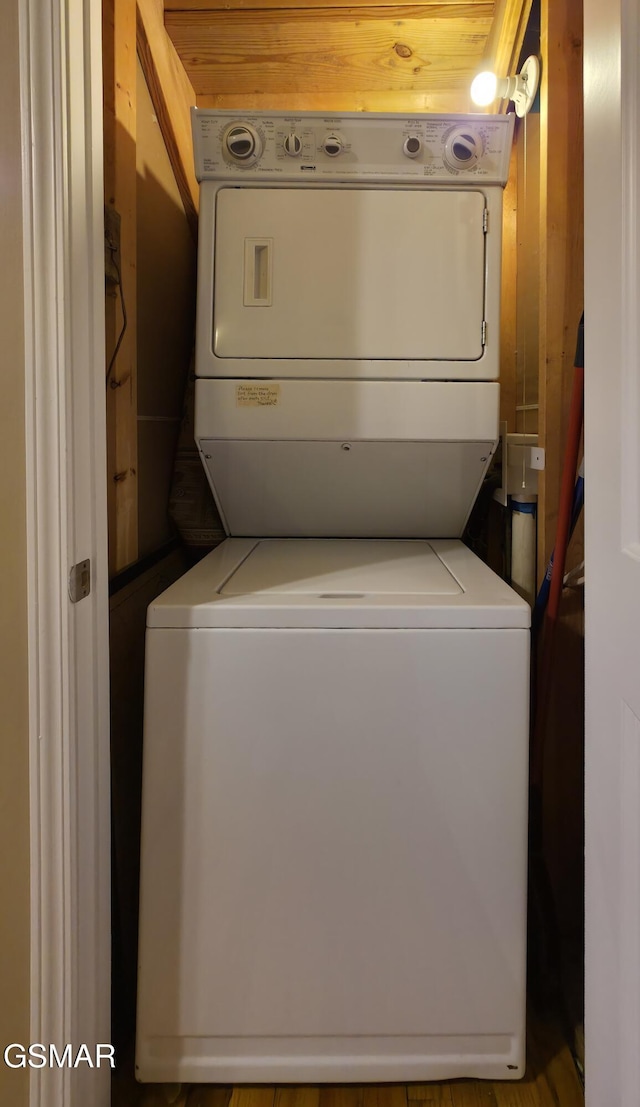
x,y
612,549
61,95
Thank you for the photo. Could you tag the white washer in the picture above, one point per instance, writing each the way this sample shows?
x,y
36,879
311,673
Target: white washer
x,y
334,836
334,832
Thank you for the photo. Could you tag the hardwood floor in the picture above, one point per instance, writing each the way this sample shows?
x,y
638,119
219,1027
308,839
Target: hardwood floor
x,y
551,1080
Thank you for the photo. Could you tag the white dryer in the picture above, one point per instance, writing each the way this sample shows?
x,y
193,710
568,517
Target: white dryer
x,y
334,829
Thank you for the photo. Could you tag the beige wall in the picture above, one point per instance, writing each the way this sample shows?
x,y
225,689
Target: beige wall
x,y
14,794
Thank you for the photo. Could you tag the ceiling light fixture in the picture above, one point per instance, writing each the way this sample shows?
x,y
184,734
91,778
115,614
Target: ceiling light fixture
x,y
486,87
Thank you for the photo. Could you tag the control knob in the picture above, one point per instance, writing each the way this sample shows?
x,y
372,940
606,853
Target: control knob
x,y
293,145
333,145
242,143
463,149
412,146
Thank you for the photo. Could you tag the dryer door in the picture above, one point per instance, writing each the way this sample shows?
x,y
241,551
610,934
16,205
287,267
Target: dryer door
x,y
350,275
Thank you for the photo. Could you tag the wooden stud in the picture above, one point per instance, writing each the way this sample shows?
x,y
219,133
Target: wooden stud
x,y
506,36
509,299
119,28
561,244
528,290
173,96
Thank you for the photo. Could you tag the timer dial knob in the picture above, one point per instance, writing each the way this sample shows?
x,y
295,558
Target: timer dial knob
x,y
293,145
463,149
333,145
412,146
242,143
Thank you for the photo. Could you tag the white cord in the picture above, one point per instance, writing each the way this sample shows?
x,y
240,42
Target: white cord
x,y
575,577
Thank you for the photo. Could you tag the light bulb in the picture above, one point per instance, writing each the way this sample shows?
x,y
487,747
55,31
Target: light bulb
x,y
484,89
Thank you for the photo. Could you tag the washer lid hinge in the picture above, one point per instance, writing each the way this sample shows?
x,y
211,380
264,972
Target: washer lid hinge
x,y
485,220
484,332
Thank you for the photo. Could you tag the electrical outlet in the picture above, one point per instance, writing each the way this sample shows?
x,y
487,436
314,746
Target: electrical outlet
x,y
112,266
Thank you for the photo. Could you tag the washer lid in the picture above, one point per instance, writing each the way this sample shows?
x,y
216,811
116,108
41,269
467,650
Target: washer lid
x,y
336,568
338,583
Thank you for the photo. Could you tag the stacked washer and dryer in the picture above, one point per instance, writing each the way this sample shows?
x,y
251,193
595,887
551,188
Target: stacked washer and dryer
x,y
334,834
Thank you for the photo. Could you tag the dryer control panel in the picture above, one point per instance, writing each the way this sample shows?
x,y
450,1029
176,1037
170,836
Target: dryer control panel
x,y
282,146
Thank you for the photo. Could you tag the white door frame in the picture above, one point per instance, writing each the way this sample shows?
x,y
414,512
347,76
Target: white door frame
x,y
61,108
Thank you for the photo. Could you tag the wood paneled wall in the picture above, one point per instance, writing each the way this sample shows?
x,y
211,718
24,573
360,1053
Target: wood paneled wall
x,y
166,296
561,304
561,243
130,28
119,66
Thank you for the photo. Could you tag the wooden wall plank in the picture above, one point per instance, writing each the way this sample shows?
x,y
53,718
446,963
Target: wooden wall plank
x,y
561,243
561,303
173,96
331,50
442,18
509,299
529,230
119,39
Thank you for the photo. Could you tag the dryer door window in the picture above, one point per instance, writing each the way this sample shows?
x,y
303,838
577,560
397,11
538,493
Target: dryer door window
x,y
350,274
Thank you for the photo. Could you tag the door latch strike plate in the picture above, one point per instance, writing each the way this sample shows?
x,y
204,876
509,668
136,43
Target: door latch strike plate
x,y
80,581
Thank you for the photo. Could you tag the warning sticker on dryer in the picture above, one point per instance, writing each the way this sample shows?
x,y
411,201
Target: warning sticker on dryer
x,y
257,395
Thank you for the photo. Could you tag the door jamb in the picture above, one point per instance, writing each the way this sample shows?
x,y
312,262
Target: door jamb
x,y
61,116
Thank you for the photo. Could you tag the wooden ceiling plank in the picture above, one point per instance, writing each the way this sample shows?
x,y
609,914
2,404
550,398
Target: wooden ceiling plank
x,y
396,101
269,52
186,7
172,95
464,17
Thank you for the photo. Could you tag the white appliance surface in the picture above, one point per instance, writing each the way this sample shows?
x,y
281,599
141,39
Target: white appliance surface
x,y
340,583
342,568
359,489
372,147
350,247
334,832
346,458
308,270
334,820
